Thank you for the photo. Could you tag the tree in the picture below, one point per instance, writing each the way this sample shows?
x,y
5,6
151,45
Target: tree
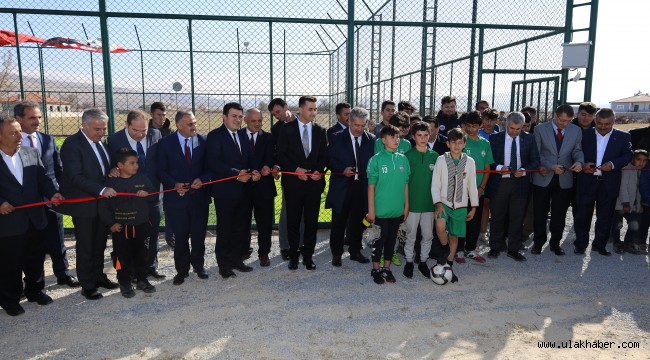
x,y
6,71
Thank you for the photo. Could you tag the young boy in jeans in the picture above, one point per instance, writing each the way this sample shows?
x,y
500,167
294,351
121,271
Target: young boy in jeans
x,y
388,202
452,185
628,206
128,219
421,161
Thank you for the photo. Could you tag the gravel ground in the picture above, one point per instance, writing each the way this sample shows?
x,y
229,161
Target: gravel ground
x,y
499,309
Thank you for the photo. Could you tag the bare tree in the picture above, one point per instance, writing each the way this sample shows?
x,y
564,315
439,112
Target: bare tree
x,y
7,82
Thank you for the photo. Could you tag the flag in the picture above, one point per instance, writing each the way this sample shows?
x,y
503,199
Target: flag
x,y
9,38
88,45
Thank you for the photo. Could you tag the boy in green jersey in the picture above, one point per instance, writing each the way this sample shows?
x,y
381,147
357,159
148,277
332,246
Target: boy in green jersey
x,y
421,161
401,121
453,184
388,202
479,149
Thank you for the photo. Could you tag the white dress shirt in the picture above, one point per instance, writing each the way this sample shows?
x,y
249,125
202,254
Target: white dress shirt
x,y
36,141
354,151
99,159
601,146
506,155
181,140
134,144
15,165
249,133
301,128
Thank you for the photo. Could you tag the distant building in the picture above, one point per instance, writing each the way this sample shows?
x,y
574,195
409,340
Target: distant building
x,y
54,105
637,103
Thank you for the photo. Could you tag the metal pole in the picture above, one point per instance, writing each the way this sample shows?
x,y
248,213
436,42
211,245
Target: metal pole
x,y
523,101
189,35
451,80
423,65
137,36
20,66
392,53
106,57
568,24
238,67
284,61
479,76
494,80
271,63
41,70
92,67
349,89
593,17
470,94
356,65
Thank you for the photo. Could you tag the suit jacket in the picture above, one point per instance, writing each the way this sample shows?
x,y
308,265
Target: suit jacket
x,y
82,176
36,185
119,140
332,130
262,156
439,146
50,157
618,151
341,155
290,155
225,159
172,168
529,159
570,152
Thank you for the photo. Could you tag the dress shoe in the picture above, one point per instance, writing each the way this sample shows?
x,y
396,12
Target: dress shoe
x,y
293,264
618,248
91,294
201,273
241,267
309,264
179,279
578,251
40,298
285,254
71,281
408,269
226,273
106,283
493,254
602,251
13,309
248,254
516,255
145,286
336,261
127,290
264,261
557,250
535,250
156,274
358,257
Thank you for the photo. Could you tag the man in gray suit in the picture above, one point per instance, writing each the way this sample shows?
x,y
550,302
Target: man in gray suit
x,y
560,151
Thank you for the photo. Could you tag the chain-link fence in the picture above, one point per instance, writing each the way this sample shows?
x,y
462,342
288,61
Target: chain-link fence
x,y
506,52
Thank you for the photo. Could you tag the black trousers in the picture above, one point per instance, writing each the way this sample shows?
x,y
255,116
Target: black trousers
x,y
591,190
473,228
56,244
130,250
302,202
508,207
349,219
385,245
155,213
91,238
555,199
184,222
18,254
231,232
263,208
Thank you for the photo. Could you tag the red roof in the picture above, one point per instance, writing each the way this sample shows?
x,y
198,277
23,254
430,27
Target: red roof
x,y
34,97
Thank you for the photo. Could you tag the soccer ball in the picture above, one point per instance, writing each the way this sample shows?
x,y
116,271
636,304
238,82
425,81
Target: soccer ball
x,y
441,274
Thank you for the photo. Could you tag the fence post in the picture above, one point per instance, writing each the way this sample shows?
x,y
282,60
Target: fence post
x,y
472,54
20,66
349,74
593,17
189,35
106,57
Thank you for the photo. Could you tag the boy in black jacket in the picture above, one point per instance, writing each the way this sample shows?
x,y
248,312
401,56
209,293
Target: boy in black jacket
x,y
128,219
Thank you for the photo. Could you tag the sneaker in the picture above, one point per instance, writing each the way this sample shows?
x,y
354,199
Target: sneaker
x,y
408,269
454,278
424,269
396,260
145,286
460,258
127,291
475,256
388,275
482,237
376,276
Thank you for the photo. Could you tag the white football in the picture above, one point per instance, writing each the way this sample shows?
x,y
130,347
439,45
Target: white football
x,y
441,274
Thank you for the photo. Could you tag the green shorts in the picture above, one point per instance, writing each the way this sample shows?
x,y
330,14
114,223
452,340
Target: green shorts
x,y
456,220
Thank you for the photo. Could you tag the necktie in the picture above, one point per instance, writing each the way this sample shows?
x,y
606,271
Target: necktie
x,y
102,155
188,153
234,138
513,154
141,156
305,141
31,141
559,135
252,142
356,151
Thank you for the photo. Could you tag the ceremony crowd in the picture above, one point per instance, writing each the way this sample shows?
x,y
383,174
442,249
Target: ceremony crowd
x,y
433,185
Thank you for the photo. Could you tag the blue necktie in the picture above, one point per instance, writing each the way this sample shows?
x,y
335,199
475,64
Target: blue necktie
x,y
141,156
513,155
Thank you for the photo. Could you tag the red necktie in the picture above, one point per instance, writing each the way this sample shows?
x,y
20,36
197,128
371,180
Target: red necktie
x,y
559,135
188,153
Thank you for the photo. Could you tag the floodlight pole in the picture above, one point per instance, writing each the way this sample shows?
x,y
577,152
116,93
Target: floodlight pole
x,y
41,70
20,67
92,64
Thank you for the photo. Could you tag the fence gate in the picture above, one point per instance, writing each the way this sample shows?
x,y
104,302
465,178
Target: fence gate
x,y
540,93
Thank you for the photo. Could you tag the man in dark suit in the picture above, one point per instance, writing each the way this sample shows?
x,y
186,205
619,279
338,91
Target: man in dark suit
x,y
586,114
606,151
560,150
342,117
137,135
160,122
260,194
180,165
229,156
513,150
86,164
437,141
28,115
22,249
348,153
302,148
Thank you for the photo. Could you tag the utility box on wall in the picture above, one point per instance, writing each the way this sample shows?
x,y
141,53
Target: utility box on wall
x,y
575,55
